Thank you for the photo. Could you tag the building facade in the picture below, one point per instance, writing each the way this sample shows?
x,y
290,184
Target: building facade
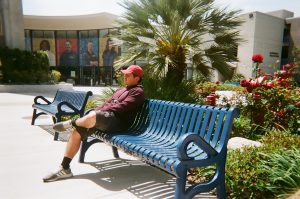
x,y
272,34
80,47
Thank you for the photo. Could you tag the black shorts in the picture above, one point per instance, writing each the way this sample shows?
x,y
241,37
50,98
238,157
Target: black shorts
x,y
106,121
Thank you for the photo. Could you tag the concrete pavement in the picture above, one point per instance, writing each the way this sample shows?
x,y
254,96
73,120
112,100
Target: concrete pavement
x,y
28,153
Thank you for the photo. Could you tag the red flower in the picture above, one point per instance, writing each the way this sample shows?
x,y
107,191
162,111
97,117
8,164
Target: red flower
x,y
269,85
256,96
257,58
244,83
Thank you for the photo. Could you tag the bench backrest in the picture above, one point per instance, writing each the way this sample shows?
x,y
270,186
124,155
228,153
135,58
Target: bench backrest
x,y
76,98
169,120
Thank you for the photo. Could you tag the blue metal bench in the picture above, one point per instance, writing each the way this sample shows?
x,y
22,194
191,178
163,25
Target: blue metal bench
x,y
176,137
65,102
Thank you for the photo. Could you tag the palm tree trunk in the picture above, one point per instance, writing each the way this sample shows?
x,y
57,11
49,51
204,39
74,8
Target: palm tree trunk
x,y
175,75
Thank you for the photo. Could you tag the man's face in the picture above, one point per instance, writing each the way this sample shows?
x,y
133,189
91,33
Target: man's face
x,y
110,44
68,46
90,46
44,46
131,80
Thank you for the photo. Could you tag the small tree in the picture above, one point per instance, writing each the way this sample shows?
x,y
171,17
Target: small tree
x,y
171,33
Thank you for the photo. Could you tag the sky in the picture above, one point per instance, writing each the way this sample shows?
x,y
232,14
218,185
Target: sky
x,y
83,7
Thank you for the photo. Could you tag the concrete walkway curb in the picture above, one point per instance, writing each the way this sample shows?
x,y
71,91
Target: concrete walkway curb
x,y
43,88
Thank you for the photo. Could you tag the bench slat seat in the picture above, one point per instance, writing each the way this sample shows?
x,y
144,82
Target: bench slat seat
x,y
176,137
65,102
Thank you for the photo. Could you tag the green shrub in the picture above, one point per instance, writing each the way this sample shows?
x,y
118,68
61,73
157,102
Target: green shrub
x,y
55,76
164,89
205,88
249,172
237,77
277,107
246,176
281,139
20,66
243,178
241,127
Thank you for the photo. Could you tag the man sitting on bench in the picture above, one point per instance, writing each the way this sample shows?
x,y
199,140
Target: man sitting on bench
x,y
116,114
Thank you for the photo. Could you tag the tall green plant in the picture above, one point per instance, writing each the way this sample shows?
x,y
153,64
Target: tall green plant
x,y
283,172
169,34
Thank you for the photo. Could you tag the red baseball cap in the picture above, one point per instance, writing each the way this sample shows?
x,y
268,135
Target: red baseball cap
x,y
134,69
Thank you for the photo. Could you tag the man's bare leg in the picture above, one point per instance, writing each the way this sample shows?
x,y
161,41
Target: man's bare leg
x,y
73,144
72,148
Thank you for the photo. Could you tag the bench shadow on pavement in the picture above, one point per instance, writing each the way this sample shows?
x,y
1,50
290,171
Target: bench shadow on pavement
x,y
135,176
49,129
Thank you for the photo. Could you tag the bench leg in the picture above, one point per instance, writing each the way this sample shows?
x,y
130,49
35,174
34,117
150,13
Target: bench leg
x,y
35,115
115,152
221,189
54,120
85,145
55,138
56,133
180,188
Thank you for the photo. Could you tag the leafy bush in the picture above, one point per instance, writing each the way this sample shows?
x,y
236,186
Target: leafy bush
x,y
237,77
243,179
249,171
163,88
55,76
241,127
205,88
20,66
246,176
275,107
273,100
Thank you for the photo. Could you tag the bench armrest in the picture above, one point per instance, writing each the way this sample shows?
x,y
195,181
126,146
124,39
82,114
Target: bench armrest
x,y
185,140
41,97
59,106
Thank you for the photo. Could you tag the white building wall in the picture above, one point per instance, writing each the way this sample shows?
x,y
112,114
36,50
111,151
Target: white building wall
x,y
268,40
263,34
245,49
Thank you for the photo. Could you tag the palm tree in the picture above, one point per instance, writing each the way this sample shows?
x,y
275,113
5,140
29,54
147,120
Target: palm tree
x,y
170,33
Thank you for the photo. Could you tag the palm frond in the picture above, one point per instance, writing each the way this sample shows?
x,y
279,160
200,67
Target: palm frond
x,y
166,33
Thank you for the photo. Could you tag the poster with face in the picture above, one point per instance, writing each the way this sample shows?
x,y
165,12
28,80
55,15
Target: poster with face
x,y
67,48
108,50
88,48
44,41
